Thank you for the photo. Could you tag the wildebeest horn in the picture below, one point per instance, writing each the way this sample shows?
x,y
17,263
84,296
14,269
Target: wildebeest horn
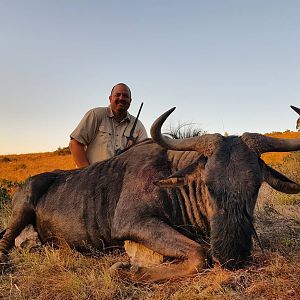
x,y
204,144
261,143
296,109
280,182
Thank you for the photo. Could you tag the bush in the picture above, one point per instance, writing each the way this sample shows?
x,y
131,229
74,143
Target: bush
x,y
7,188
183,131
4,195
5,159
62,151
290,167
5,204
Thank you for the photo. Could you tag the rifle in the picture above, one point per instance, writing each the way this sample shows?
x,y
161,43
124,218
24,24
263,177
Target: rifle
x,y
131,138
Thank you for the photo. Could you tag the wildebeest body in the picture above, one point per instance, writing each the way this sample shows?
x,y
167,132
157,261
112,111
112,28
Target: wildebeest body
x,y
183,199
80,206
88,207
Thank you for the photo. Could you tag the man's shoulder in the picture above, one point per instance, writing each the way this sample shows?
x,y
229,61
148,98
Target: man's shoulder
x,y
95,114
139,124
99,110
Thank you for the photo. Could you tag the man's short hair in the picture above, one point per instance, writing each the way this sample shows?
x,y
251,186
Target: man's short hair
x,y
121,83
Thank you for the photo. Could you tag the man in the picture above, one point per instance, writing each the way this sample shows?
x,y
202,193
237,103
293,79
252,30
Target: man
x,y
104,131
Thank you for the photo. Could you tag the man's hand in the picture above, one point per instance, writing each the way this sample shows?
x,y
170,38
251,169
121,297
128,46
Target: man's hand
x,y
130,142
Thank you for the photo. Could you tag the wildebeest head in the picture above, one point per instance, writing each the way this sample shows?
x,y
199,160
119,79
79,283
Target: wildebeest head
x,y
232,172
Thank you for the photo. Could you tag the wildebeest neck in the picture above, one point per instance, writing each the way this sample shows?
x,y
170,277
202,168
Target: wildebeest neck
x,y
189,210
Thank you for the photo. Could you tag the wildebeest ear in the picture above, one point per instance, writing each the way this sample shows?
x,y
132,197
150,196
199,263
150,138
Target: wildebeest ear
x,y
182,176
170,182
279,182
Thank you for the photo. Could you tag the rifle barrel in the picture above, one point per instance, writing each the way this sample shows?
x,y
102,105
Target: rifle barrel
x,y
135,121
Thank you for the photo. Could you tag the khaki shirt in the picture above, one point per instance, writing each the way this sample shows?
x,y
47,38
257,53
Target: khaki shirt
x,y
103,135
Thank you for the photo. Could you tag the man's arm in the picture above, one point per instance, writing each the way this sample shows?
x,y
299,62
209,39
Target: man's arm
x,y
79,154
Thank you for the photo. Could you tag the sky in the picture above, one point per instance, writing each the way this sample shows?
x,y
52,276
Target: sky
x,y
227,65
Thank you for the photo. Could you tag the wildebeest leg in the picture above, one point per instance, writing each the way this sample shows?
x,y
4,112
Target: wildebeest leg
x,y
21,216
160,237
23,213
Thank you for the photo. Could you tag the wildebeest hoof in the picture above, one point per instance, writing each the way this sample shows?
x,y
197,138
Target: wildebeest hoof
x,y
120,269
125,271
134,268
119,265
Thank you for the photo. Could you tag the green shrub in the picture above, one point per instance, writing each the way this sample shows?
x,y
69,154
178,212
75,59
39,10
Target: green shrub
x,y
6,159
7,188
5,205
183,131
4,195
62,151
290,168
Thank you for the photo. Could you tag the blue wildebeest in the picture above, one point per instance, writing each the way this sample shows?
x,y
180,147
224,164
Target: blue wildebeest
x,y
189,199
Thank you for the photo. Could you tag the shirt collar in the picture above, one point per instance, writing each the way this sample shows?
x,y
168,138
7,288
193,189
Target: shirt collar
x,y
110,114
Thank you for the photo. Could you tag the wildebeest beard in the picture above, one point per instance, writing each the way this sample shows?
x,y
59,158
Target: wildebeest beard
x,y
232,227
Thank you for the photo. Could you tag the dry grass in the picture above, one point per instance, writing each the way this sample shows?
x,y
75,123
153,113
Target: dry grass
x,y
20,167
278,157
66,274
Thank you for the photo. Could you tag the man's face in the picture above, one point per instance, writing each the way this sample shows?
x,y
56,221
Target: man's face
x,y
120,99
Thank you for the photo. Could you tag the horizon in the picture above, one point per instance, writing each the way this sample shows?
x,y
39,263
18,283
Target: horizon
x,y
67,147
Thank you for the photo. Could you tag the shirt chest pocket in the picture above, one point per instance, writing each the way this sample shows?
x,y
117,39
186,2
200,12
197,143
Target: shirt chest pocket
x,y
104,134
